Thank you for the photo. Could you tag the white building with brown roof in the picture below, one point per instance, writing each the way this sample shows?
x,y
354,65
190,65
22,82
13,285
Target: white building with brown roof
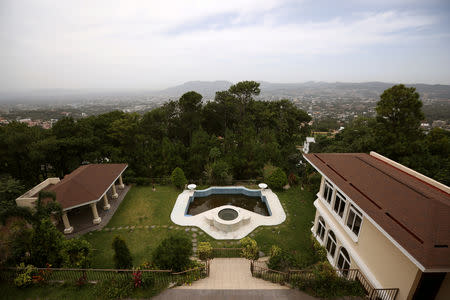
x,y
87,185
386,220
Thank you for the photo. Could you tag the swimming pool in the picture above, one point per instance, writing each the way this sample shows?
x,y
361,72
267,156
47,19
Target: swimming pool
x,y
228,212
205,200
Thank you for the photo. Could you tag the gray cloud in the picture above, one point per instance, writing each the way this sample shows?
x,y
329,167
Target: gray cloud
x,y
153,44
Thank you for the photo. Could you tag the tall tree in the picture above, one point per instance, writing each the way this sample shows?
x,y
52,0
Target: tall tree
x,y
47,243
244,92
398,116
190,106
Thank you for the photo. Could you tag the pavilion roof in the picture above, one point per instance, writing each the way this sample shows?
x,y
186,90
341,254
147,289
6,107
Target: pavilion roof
x,y
87,184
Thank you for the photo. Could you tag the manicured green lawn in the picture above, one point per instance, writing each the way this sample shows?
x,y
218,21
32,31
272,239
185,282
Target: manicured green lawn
x,y
141,243
144,207
295,233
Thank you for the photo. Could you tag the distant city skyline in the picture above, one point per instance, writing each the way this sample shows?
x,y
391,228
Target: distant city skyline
x,y
50,44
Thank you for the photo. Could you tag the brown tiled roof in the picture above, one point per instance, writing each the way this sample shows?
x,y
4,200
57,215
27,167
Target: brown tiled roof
x,y
415,214
86,184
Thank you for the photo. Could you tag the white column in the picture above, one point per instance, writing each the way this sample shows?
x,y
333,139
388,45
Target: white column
x,y
67,228
114,195
121,185
322,185
106,205
97,218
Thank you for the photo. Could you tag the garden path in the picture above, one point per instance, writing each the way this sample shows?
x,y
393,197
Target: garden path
x,y
231,279
231,273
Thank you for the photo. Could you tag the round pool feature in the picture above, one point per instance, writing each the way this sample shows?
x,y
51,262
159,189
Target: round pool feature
x,y
228,214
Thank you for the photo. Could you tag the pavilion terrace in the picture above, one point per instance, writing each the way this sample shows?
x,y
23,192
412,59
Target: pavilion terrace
x,y
87,186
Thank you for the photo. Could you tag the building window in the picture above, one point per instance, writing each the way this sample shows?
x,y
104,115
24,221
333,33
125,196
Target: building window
x,y
339,204
331,243
320,232
343,263
328,192
354,220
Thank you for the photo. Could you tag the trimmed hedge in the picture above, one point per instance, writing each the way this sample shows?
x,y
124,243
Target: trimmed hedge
x,y
277,180
178,178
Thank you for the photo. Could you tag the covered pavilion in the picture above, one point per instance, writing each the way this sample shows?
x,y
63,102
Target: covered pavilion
x,y
88,185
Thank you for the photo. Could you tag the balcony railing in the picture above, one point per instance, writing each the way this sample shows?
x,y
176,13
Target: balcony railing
x,y
372,293
259,270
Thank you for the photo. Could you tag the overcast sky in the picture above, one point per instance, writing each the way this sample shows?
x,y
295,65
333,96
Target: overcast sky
x,y
161,43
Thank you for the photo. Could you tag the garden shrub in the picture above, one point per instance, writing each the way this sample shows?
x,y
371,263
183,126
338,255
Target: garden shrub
x,y
277,180
20,243
25,275
276,257
178,178
147,280
173,253
204,251
77,253
46,244
122,256
218,173
116,288
280,259
314,182
324,282
250,248
319,251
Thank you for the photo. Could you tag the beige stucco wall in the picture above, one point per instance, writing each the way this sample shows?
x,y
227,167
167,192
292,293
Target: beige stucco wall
x,y
26,202
373,253
27,199
388,264
444,291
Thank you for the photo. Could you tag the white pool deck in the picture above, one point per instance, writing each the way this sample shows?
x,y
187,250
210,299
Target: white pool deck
x,y
252,220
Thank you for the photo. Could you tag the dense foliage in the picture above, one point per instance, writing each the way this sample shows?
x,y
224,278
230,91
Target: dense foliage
x,y
116,288
122,256
395,133
173,253
324,282
46,245
244,133
10,189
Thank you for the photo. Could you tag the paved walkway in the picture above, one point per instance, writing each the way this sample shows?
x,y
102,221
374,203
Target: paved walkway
x,y
232,273
185,294
81,219
230,278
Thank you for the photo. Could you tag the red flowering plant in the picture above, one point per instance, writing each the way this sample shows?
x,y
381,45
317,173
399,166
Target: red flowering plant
x,y
137,278
43,275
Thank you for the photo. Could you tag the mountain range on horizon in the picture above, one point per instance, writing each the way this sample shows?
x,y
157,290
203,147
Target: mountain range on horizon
x,y
208,89
312,88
